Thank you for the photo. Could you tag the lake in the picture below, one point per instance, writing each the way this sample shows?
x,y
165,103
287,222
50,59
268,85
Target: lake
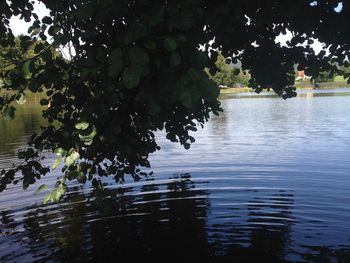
x,y
266,181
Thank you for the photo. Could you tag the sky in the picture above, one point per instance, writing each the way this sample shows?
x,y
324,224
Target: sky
x,y
317,45
19,26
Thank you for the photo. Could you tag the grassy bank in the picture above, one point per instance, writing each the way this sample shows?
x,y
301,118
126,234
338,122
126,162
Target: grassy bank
x,y
338,82
235,90
324,85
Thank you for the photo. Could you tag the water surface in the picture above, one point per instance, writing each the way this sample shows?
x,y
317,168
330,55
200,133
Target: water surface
x,y
266,181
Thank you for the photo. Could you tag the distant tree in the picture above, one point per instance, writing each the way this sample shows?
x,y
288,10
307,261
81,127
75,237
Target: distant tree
x,y
138,69
22,52
228,74
224,74
324,76
242,78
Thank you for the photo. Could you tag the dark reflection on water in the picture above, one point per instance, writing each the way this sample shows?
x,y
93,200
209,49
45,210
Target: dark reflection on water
x,y
262,234
168,222
158,222
267,181
27,121
161,222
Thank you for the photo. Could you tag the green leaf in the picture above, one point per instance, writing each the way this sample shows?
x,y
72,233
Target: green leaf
x,y
41,188
85,11
27,74
26,42
53,30
34,31
199,60
180,38
82,125
56,194
102,55
88,138
153,108
47,20
183,20
75,155
7,81
88,142
56,163
115,62
175,59
9,113
149,44
47,198
187,102
157,16
170,44
44,102
58,98
61,190
71,158
106,3
236,71
211,91
68,161
138,56
21,154
135,32
81,177
60,152
116,129
65,75
130,79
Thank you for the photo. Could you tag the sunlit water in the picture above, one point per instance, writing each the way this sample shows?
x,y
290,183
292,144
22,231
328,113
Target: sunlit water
x,y
266,181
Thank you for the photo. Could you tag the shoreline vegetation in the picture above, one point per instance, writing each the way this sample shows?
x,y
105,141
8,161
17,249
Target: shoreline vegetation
x,y
30,96
302,85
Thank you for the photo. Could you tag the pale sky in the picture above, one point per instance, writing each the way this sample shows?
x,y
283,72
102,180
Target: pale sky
x,y
317,45
19,26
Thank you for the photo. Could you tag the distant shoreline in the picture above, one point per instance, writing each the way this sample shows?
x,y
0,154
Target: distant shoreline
x,y
322,86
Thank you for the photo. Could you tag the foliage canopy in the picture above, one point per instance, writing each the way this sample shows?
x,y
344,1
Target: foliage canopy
x,y
138,69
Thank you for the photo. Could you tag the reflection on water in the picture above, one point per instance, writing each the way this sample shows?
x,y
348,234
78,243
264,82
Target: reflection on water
x,y
159,221
267,181
15,133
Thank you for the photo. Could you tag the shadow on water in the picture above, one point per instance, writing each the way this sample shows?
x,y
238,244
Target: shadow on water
x,y
171,222
260,234
158,222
